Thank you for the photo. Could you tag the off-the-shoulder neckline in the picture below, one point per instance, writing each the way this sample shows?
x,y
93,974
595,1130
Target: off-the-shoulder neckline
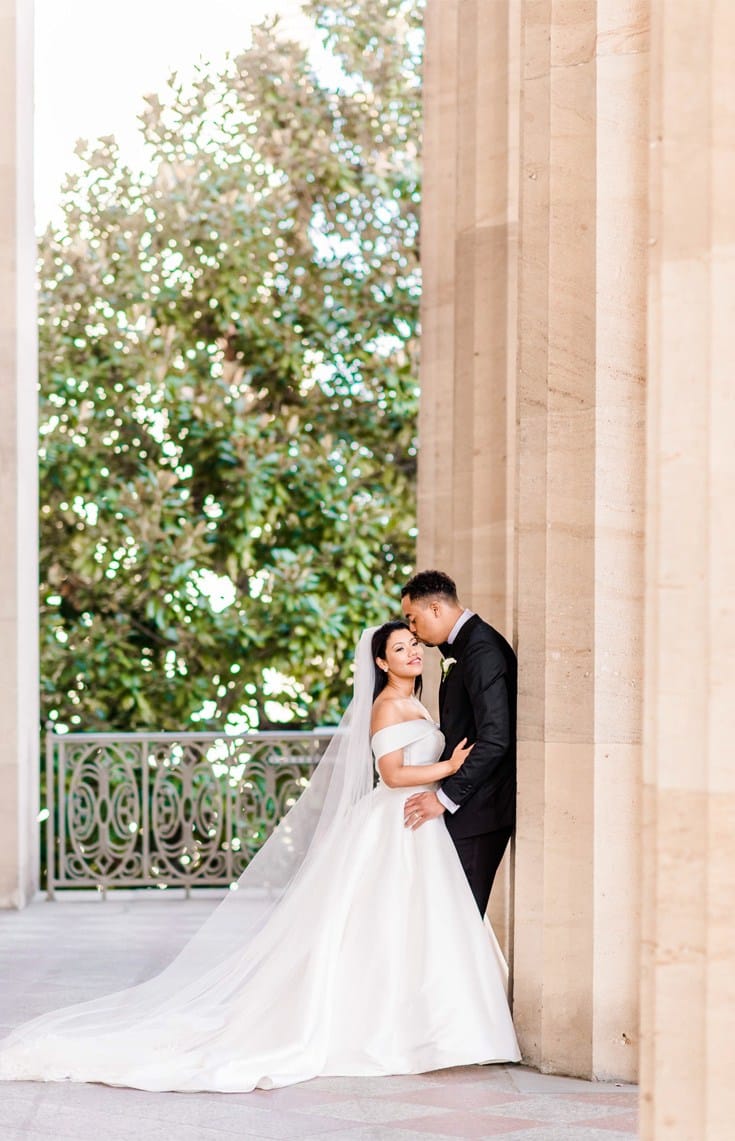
x,y
408,721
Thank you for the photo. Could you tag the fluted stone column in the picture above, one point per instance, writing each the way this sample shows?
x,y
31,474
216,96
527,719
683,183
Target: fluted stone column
x,y
469,236
689,774
18,465
469,233
531,463
579,524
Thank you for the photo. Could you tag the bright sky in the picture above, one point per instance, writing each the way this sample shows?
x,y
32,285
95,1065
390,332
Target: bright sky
x,y
95,59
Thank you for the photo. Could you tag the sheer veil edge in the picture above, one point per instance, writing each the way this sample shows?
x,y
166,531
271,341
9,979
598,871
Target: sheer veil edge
x,y
265,908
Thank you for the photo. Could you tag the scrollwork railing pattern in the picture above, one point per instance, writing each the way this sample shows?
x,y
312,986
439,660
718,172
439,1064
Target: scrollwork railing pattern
x,y
174,809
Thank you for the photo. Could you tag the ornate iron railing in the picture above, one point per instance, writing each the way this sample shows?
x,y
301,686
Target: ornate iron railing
x,y
174,809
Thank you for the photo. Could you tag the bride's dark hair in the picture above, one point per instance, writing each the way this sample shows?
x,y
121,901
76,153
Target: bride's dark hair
x,y
379,646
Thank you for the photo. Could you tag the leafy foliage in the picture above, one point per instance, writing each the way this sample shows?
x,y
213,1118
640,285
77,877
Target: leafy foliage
x,y
228,406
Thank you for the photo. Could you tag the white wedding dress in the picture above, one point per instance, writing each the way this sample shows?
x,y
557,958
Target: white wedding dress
x,y
383,967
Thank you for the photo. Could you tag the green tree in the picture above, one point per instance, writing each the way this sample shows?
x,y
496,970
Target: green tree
x,y
228,387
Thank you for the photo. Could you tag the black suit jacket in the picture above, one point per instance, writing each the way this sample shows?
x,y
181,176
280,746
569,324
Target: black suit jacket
x,y
477,700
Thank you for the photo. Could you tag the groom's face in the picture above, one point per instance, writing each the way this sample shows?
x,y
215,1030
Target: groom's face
x,y
425,620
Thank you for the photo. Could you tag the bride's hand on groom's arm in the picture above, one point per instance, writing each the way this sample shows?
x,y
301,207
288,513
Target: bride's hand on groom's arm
x,y
423,806
459,756
396,774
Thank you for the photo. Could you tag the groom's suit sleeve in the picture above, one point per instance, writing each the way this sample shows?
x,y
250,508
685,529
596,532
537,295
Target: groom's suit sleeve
x,y
485,681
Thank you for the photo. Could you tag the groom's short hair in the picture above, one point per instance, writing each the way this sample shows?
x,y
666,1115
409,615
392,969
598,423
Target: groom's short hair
x,y
430,584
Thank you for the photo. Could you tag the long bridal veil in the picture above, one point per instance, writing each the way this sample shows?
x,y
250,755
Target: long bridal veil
x,y
305,857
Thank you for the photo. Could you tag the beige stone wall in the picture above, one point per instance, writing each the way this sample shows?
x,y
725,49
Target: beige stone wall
x,y
689,775
18,468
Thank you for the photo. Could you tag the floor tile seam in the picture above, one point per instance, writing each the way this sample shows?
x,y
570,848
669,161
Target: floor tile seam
x,y
174,1120
537,1106
603,1123
182,1130
527,1122
544,1135
367,1120
490,1113
408,1107
501,1111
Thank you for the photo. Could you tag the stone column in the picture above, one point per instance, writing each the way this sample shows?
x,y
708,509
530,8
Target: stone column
x,y
579,525
469,231
19,714
469,234
578,305
438,208
689,776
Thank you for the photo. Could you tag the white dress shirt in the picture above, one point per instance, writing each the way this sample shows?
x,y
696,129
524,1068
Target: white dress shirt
x,y
464,617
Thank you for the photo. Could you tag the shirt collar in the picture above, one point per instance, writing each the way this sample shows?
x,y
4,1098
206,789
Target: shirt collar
x,y
464,617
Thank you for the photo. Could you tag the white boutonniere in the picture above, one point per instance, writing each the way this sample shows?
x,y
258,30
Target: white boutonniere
x,y
446,664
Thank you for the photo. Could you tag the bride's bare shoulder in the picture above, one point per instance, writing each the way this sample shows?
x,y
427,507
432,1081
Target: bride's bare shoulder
x,y
391,711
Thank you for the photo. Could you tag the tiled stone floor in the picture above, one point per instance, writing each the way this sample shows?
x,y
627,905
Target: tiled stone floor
x,y
55,953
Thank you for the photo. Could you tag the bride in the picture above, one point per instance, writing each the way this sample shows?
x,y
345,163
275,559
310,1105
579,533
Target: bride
x,y
351,945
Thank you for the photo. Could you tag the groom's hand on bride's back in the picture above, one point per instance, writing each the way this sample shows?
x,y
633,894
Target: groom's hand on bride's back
x,y
419,808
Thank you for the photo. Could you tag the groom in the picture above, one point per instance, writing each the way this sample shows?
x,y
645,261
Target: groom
x,y
477,700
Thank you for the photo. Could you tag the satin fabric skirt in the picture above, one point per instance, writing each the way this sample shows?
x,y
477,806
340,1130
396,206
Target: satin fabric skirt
x,y
388,971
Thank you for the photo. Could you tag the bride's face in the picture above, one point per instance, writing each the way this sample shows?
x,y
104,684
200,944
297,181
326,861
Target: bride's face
x,y
404,655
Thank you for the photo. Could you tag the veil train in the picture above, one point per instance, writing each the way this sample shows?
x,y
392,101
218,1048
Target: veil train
x,y
259,920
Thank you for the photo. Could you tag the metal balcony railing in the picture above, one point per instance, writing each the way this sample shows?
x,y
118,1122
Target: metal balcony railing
x,y
167,809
